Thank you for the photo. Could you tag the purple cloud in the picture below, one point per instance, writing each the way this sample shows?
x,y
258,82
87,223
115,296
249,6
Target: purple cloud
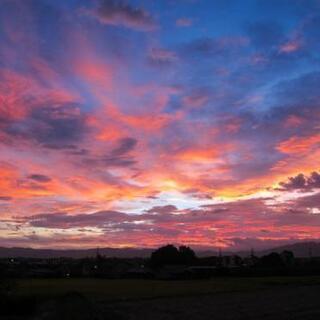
x,y
301,183
120,13
41,178
5,198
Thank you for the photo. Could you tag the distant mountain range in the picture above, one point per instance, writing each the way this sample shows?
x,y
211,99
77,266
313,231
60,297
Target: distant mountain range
x,y
74,253
300,249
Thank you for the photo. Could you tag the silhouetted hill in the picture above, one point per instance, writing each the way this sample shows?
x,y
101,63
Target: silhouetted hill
x,y
300,249
73,253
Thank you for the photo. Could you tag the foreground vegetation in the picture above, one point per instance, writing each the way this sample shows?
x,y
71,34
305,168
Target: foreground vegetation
x,y
82,298
106,289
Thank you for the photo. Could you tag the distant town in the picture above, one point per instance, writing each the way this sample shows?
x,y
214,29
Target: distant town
x,y
167,262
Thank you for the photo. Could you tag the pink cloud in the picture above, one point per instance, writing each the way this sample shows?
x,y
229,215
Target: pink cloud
x,y
184,22
237,225
290,46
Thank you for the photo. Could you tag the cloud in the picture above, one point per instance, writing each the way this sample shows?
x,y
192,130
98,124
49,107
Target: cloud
x,y
301,182
207,46
63,220
162,56
299,145
5,198
184,22
125,145
163,209
230,224
290,46
117,157
197,98
39,178
52,126
120,13
117,161
223,116
311,201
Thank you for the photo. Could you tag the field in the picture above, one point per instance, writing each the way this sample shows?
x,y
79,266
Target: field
x,y
143,289
221,298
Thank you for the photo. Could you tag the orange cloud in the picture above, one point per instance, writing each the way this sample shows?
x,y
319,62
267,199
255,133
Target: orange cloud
x,y
297,144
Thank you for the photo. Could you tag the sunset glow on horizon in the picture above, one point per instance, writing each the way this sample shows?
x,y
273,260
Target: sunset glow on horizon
x,y
140,123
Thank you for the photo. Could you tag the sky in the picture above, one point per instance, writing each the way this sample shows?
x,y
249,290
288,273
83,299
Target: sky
x,y
142,123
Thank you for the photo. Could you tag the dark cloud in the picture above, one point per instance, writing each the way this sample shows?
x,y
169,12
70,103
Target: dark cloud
x,y
214,46
58,124
5,198
163,209
79,151
118,161
120,13
156,216
56,127
312,201
110,161
301,183
125,145
63,220
39,178
117,157
71,148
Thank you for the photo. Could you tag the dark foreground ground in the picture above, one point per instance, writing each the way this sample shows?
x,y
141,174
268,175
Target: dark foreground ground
x,y
232,298
282,303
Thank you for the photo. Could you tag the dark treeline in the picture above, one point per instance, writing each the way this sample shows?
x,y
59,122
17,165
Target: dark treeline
x,y
167,262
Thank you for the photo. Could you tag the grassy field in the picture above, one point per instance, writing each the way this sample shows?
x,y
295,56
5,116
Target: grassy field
x,y
106,289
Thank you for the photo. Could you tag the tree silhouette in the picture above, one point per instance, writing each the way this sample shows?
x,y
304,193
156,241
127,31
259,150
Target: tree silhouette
x,y
169,255
271,260
187,255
